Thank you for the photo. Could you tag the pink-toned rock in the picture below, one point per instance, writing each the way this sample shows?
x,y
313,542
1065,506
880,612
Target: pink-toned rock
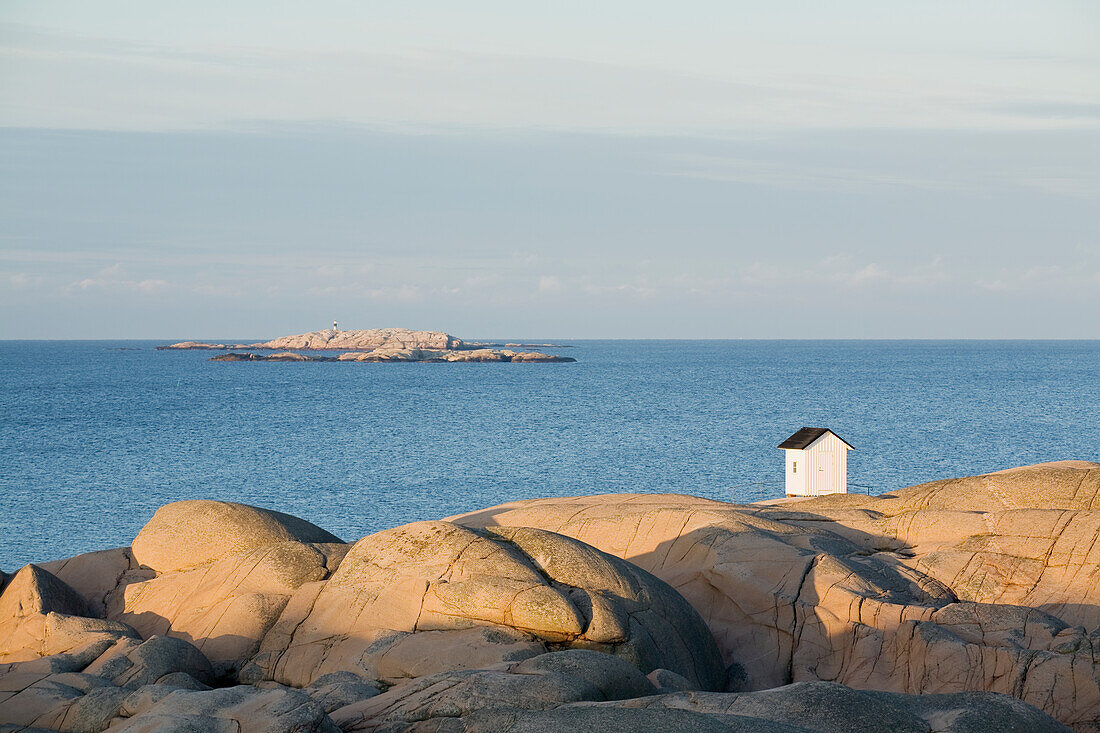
x,y
463,355
365,340
930,600
806,707
334,340
187,534
200,345
240,709
538,683
96,574
42,616
68,702
483,598
225,606
889,593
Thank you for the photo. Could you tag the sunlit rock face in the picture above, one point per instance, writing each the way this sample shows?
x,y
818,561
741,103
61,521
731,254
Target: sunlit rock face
x,y
366,340
331,339
982,583
634,612
435,596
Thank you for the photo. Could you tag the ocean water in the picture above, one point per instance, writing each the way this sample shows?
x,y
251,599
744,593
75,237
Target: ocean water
x,y
95,435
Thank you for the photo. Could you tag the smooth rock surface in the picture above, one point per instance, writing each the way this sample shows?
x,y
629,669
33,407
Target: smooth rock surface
x,y
94,575
223,607
539,683
337,689
40,616
331,339
439,626
508,594
132,663
969,584
186,534
240,709
497,702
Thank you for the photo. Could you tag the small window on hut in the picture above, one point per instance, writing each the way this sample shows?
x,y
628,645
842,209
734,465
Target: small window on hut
x,y
794,466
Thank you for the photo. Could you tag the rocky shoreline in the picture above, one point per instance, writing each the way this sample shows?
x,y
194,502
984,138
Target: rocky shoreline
x,y
375,345
374,339
407,355
963,605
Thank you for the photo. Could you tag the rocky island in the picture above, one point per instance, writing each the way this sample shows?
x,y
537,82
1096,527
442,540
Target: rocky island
x,y
375,345
429,355
963,605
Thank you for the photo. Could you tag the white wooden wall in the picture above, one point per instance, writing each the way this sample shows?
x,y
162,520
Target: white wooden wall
x,y
822,468
796,480
827,460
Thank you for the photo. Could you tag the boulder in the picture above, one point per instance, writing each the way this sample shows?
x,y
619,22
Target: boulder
x,y
61,702
665,680
613,677
826,707
539,683
338,689
404,655
132,663
94,575
909,611
180,681
74,660
1063,485
484,597
186,534
241,709
35,591
225,606
879,592
589,717
491,701
41,616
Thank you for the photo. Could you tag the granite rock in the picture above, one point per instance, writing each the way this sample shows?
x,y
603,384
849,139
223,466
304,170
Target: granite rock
x,y
484,597
966,585
186,534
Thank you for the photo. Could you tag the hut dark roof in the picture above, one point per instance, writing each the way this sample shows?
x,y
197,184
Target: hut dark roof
x,y
805,436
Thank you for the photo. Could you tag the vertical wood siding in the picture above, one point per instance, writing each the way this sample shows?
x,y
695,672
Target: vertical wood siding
x,y
822,468
828,463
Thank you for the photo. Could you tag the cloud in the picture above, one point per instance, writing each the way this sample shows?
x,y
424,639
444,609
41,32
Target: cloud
x,y
997,286
842,269
869,273
406,293
114,278
1058,281
23,281
1077,186
64,79
145,287
630,290
1054,110
804,176
550,284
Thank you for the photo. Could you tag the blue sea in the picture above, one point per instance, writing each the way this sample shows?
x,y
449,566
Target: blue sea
x,y
95,435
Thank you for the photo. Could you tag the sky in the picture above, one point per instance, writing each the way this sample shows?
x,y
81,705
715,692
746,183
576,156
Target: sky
x,y
550,170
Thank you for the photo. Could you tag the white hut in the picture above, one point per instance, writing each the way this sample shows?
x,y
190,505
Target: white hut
x,y
817,462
